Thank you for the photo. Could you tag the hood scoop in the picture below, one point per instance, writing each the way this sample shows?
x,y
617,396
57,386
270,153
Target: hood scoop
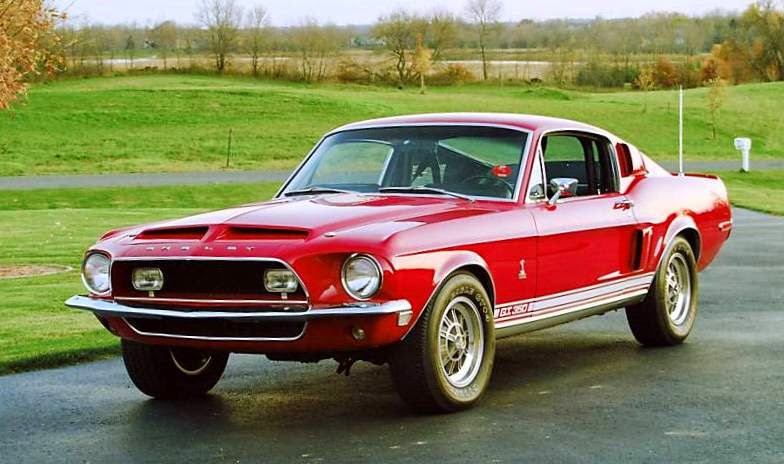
x,y
238,233
173,233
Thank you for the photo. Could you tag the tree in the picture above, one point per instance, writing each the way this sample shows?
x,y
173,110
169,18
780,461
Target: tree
x,y
130,49
28,45
256,24
646,82
221,19
764,24
164,37
441,32
421,62
716,97
399,32
484,14
315,44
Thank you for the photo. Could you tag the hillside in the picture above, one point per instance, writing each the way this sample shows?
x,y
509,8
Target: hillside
x,y
164,123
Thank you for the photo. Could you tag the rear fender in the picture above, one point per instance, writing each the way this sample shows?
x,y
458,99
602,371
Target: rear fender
x,y
682,224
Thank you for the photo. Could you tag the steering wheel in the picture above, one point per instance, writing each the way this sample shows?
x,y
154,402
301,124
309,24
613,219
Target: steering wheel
x,y
483,181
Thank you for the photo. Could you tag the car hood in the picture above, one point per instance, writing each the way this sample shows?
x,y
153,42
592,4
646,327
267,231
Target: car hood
x,y
313,216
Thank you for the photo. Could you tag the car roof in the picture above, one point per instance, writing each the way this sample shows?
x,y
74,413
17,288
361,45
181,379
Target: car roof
x,y
521,121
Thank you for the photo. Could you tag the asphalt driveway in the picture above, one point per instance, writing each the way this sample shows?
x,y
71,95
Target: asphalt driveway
x,y
584,392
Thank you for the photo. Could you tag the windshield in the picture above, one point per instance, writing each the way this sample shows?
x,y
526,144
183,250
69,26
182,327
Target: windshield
x,y
464,160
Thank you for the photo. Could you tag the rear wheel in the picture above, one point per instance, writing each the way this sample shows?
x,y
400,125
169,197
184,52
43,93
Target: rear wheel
x,y
170,373
667,315
445,363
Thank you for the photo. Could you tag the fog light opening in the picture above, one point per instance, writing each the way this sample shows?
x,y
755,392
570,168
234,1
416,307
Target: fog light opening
x,y
358,333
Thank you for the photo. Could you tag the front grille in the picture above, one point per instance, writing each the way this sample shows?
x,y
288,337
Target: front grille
x,y
218,328
233,280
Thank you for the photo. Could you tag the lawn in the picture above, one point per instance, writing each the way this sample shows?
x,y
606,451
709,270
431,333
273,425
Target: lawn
x,y
758,190
165,123
56,226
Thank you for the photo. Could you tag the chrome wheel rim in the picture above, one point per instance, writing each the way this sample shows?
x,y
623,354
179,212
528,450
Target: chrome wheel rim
x,y
678,292
190,362
460,342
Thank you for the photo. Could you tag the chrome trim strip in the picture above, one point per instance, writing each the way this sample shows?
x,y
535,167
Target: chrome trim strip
x,y
113,309
218,339
218,258
156,300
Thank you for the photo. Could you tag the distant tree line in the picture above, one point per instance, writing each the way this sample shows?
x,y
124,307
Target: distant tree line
x,y
656,50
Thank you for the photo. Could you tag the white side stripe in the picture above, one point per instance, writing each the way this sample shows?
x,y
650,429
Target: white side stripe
x,y
523,311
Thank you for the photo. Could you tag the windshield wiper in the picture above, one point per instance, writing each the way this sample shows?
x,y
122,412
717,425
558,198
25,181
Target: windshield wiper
x,y
315,190
421,189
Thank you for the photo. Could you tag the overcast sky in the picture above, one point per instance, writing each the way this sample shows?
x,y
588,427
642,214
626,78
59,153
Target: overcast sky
x,y
290,12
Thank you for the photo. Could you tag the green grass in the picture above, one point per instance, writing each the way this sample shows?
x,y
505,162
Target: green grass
x,y
36,329
164,123
757,190
56,226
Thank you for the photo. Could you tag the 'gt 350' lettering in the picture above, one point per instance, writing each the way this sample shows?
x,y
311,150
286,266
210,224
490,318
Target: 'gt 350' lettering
x,y
513,310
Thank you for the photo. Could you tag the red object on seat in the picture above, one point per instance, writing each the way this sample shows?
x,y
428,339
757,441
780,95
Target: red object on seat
x,y
501,170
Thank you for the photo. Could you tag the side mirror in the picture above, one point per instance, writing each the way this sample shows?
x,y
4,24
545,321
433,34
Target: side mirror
x,y
563,187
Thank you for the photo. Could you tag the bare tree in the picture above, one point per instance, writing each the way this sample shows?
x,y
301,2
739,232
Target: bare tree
x,y
221,19
164,38
441,32
422,61
716,98
399,32
315,44
484,14
256,24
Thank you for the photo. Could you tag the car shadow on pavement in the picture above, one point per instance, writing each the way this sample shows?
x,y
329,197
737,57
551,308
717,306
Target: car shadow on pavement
x,y
529,371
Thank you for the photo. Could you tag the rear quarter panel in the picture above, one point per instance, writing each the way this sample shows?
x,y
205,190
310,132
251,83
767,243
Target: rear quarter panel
x,y
668,204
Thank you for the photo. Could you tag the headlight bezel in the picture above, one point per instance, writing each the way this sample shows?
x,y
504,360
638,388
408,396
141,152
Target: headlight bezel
x,y
85,282
344,280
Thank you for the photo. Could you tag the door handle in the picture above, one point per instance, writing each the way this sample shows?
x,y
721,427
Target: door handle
x,y
623,204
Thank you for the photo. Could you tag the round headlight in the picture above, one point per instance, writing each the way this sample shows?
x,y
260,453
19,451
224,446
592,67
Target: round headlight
x,y
95,273
361,276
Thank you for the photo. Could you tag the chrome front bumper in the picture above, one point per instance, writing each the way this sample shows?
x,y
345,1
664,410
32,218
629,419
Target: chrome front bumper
x,y
106,308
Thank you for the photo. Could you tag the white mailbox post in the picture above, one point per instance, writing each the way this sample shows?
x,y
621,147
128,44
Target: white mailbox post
x,y
743,144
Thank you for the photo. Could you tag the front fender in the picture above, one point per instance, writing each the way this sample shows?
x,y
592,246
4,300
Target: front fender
x,y
420,276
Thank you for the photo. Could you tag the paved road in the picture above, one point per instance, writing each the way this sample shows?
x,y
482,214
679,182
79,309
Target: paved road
x,y
219,177
584,392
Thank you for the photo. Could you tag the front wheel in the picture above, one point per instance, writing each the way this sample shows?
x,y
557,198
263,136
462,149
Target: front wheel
x,y
171,373
445,363
666,316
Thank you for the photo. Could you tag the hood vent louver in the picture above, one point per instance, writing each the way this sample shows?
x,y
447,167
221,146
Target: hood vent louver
x,y
174,233
261,233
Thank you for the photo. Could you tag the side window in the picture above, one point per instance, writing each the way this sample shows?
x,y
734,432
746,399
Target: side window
x,y
564,156
582,157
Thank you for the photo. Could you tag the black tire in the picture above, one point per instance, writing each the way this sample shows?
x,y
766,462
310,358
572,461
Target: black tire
x,y
416,366
653,322
172,373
